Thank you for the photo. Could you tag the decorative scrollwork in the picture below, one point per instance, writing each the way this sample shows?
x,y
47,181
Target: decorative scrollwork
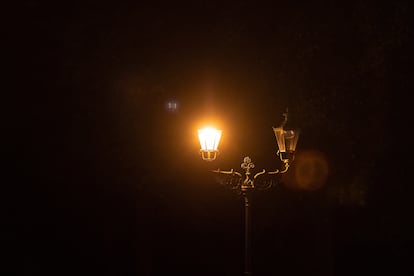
x,y
285,118
247,164
265,181
230,179
262,180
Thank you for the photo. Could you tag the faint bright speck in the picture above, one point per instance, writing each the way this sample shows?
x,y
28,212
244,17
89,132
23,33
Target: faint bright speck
x,y
172,106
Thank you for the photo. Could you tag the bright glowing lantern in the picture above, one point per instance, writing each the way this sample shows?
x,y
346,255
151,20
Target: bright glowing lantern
x,y
209,141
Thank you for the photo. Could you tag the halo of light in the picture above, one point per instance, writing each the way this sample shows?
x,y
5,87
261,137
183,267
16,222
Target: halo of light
x,y
308,172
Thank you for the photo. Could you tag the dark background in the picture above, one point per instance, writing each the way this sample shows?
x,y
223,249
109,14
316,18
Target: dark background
x,y
103,179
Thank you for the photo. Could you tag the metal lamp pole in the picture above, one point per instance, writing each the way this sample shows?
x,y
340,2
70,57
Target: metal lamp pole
x,y
246,190
246,187
287,139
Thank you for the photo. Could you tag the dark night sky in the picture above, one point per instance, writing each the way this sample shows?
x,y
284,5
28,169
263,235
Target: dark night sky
x,y
105,180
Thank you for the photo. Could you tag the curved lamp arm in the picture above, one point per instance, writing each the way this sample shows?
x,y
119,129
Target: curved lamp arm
x,y
280,171
259,174
231,172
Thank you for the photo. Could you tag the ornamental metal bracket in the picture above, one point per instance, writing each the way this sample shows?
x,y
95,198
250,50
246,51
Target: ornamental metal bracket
x,y
262,180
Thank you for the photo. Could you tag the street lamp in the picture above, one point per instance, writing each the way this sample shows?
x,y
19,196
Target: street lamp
x,y
286,140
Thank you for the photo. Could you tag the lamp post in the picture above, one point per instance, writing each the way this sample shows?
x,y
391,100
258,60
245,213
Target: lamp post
x,y
286,140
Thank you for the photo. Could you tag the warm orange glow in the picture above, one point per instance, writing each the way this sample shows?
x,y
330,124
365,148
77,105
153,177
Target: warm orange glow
x,y
309,171
209,138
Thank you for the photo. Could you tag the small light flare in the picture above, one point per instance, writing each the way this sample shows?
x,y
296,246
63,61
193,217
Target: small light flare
x,y
172,106
309,172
